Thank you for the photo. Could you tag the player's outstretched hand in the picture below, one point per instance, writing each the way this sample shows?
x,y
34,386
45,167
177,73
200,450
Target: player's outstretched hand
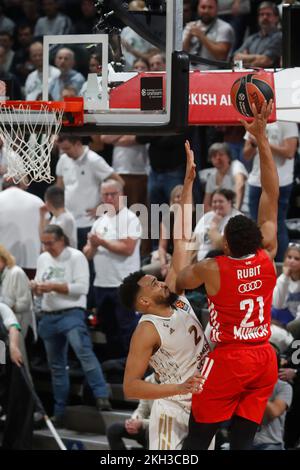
x,y
193,384
190,172
257,127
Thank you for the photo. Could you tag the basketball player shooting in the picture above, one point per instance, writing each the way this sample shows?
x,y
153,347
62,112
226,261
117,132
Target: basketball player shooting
x,y
239,287
168,337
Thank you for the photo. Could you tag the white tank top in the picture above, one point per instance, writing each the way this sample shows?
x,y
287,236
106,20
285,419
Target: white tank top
x,y
183,346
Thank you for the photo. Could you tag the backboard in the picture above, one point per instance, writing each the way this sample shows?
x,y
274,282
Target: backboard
x,y
162,93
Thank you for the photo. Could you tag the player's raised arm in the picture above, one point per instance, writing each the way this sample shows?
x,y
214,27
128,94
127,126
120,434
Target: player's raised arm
x,y
268,204
183,222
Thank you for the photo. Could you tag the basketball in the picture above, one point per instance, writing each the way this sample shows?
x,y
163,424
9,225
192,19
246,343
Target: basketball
x,y
252,88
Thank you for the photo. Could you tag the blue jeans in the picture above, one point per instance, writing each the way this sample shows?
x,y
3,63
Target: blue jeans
x,y
283,205
160,185
57,332
118,323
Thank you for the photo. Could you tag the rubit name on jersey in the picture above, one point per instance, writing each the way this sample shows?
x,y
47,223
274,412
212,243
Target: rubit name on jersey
x,y
248,272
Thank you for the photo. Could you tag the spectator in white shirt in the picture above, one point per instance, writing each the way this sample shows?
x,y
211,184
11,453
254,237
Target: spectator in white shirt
x,y
286,296
10,323
54,22
114,244
15,292
80,172
34,81
55,204
227,173
62,280
19,225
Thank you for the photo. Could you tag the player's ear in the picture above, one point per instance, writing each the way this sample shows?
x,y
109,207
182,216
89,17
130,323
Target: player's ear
x,y
225,246
144,301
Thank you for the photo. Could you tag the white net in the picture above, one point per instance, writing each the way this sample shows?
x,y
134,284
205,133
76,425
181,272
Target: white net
x,y
29,137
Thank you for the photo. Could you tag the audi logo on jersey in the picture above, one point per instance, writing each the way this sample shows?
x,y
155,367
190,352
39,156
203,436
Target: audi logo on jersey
x,y
249,286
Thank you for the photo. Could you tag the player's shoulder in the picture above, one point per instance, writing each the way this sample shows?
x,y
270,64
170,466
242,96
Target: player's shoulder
x,y
146,333
207,265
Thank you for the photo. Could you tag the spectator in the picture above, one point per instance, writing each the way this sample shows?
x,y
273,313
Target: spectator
x,y
114,244
140,65
30,10
283,138
209,37
290,372
226,174
22,65
161,258
55,204
286,296
236,13
137,427
11,324
166,156
263,49
19,225
271,432
131,162
6,24
209,230
95,66
133,45
86,24
7,41
62,280
54,22
65,61
34,81
3,162
80,172
15,292
157,62
13,89
68,91
187,12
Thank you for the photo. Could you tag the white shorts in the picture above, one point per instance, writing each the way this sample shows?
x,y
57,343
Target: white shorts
x,y
168,425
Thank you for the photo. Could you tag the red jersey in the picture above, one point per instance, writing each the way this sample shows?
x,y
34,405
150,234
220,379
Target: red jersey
x,y
241,311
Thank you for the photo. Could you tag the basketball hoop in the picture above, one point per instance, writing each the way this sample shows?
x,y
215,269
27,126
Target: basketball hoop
x,y
28,130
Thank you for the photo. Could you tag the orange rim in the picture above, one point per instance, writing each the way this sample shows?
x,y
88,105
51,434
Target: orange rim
x,y
69,105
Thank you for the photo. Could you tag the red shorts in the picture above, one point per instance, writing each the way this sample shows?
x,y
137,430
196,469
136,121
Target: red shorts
x,y
240,382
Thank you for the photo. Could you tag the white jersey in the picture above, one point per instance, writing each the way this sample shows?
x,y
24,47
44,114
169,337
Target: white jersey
x,y
183,347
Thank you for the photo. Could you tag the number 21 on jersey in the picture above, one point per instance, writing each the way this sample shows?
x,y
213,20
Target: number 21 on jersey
x,y
248,305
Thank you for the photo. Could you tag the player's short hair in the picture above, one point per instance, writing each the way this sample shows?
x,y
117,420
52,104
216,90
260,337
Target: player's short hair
x,y
56,196
243,236
129,288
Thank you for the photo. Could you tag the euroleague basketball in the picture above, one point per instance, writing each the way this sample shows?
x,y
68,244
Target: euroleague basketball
x,y
252,88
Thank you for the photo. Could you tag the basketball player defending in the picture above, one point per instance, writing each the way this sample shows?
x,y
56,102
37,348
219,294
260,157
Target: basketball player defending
x,y
239,288
168,337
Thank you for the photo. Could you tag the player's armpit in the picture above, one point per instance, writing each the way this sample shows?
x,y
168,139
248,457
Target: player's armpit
x,y
143,343
269,233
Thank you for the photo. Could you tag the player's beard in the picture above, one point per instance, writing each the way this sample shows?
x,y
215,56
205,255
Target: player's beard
x,y
168,301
